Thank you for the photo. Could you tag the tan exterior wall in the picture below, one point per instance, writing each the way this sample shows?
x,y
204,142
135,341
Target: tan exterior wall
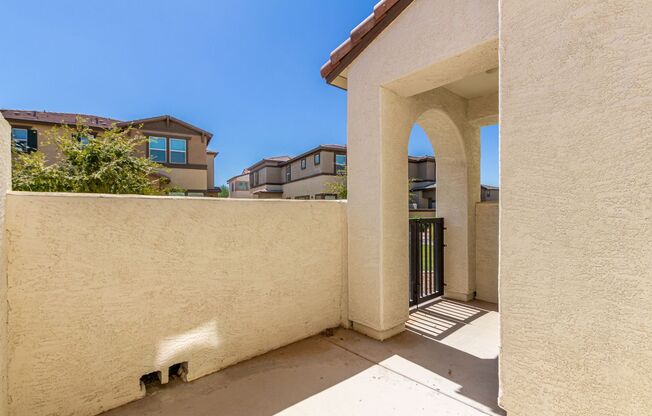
x,y
45,144
210,170
486,251
236,193
5,185
104,289
196,150
326,165
576,266
309,186
189,179
423,213
196,153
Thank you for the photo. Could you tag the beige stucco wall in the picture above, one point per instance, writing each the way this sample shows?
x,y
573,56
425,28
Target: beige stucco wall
x,y
486,251
576,265
393,84
104,289
432,43
423,214
5,185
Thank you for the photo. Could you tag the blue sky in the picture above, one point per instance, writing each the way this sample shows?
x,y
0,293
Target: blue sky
x,y
246,70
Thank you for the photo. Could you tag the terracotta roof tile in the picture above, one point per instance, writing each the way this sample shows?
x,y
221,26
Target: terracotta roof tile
x,y
384,13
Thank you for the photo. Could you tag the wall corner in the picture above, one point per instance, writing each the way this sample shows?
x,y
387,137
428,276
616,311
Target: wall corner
x,y
5,186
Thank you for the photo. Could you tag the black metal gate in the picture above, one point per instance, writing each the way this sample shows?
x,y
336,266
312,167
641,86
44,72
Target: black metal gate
x,y
426,259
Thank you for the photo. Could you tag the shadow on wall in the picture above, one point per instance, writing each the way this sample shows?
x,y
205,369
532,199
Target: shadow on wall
x,y
341,371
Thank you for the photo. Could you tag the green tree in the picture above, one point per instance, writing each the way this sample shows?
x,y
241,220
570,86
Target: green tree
x,y
224,192
106,163
338,187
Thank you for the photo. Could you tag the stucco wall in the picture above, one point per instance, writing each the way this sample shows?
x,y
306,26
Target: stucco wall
x,y
104,289
5,185
576,263
486,251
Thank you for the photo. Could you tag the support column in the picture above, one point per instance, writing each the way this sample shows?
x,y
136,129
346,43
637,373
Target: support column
x,y
379,124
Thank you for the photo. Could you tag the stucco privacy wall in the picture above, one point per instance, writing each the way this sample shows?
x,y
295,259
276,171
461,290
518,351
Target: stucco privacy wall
x,y
5,185
104,289
486,251
576,266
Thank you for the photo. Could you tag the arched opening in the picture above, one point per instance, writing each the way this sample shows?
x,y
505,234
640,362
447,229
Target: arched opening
x,y
440,193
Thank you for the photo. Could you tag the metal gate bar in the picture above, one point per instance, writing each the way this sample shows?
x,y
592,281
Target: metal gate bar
x,y
426,259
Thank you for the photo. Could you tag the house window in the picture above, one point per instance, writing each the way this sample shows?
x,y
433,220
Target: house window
x,y
242,186
303,163
256,178
288,173
178,151
20,138
158,149
84,139
340,163
232,186
317,159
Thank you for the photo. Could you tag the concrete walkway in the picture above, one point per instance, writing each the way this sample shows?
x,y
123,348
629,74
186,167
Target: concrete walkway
x,y
445,364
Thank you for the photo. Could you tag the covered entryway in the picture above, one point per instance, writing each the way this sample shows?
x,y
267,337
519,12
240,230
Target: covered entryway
x,y
410,71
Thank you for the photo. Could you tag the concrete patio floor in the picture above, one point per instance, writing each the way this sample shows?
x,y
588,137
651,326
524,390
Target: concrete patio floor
x,y
445,364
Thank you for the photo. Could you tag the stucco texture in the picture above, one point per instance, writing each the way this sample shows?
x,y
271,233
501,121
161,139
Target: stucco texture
x,y
5,185
486,251
104,289
576,263
394,83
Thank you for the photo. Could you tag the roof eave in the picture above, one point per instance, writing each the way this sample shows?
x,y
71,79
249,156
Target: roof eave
x,y
385,12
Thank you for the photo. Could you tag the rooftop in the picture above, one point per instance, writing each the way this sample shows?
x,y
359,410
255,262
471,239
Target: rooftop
x,y
49,117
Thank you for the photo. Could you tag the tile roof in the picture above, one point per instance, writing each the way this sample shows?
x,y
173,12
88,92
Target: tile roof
x,y
58,118
384,13
421,158
89,120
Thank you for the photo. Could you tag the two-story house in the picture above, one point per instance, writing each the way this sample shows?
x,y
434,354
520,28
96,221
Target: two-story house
x,y
308,175
422,171
302,177
179,146
239,185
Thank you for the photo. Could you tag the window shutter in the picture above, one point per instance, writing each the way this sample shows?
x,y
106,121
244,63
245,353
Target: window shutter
x,y
32,141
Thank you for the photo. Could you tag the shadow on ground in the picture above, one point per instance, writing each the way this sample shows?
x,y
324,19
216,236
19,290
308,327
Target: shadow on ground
x,y
446,363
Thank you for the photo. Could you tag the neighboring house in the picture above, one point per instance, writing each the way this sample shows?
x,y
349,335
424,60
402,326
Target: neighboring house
x,y
308,175
422,173
177,145
490,193
302,177
266,178
239,185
